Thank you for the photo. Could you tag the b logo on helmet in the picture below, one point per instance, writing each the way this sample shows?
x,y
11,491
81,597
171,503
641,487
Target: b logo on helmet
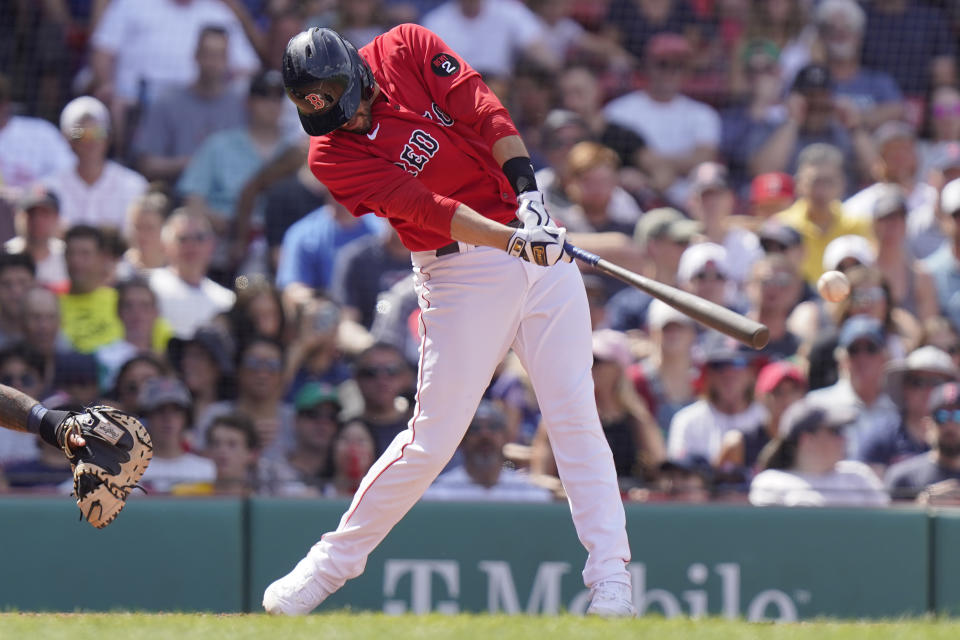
x,y
315,100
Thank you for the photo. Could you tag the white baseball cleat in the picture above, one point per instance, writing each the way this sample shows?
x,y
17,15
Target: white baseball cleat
x,y
295,594
612,600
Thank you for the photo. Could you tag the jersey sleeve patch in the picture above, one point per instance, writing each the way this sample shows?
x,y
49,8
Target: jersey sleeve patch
x,y
444,65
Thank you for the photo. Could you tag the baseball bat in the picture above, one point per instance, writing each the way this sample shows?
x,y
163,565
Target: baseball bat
x,y
731,323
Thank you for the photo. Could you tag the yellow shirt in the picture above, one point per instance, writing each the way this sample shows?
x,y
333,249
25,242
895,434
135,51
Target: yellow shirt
x,y
89,320
815,240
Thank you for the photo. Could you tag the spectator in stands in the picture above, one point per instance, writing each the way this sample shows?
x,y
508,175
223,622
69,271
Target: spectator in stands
x,y
314,352
164,406
726,404
777,238
909,381
599,204
287,201
136,54
561,130
666,379
942,128
37,223
703,271
771,193
310,247
662,235
896,165
817,214
805,464
634,24
180,118
912,42
205,363
870,294
491,35
188,298
633,436
779,384
232,445
784,23
938,332
143,329
88,311
260,392
944,263
568,39
95,191
41,327
773,288
21,368
861,356
354,451
75,379
932,477
395,323
258,312
143,228
814,116
482,476
361,22
840,25
383,377
17,276
47,470
215,175
30,148
712,203
848,252
911,285
364,268
131,378
680,132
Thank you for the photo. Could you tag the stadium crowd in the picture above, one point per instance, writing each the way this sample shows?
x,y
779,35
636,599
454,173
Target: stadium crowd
x,y
167,250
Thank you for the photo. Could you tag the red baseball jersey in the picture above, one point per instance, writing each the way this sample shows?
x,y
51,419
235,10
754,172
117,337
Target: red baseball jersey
x,y
429,146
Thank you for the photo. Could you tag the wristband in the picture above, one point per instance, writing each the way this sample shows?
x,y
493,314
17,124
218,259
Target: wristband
x,y
519,172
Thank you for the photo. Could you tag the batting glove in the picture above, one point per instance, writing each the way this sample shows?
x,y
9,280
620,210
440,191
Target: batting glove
x,y
541,245
531,210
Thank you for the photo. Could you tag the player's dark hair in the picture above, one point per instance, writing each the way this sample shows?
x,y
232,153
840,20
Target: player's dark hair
x,y
17,260
86,231
135,282
25,353
237,422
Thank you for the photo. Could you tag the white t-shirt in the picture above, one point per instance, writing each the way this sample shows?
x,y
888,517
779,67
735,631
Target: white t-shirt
x,y
156,41
52,270
163,473
490,41
512,486
185,306
669,128
698,429
31,149
103,203
743,249
851,484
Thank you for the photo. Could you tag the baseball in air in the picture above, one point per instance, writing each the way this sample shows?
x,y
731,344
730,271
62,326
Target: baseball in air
x,y
833,286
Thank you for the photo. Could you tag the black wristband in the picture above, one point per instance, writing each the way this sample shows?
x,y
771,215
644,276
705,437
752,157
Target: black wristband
x,y
45,422
519,172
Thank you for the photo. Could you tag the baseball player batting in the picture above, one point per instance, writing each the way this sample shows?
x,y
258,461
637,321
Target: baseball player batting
x,y
406,129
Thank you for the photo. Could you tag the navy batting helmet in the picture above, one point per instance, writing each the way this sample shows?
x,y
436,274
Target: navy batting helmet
x,y
326,78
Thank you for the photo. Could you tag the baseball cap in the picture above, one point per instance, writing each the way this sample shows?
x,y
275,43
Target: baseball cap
x,y
807,415
612,346
890,201
849,246
163,391
214,341
892,130
950,197
267,83
861,326
660,314
708,176
773,373
668,45
39,195
771,186
813,77
718,348
655,224
928,359
945,396
697,257
83,108
313,394
782,234
683,231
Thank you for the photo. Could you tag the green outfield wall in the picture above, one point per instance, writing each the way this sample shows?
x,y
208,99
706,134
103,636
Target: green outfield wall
x,y
734,561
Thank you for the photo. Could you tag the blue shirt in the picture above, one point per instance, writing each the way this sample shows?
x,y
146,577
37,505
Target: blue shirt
x,y
945,269
310,246
869,89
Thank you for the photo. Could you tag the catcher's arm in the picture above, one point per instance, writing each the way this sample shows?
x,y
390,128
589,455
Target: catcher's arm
x,y
20,412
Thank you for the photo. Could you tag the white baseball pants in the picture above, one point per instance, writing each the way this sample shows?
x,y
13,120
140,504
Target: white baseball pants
x,y
475,305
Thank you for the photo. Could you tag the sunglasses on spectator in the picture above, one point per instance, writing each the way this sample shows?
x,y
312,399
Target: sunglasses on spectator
x,y
200,236
88,133
944,110
857,348
710,275
943,416
772,246
386,370
317,413
921,382
270,365
870,295
22,380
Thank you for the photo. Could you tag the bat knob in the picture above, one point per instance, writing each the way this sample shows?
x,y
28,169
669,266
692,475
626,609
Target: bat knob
x,y
760,337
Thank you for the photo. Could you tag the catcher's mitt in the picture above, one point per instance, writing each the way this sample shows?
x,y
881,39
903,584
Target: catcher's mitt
x,y
108,468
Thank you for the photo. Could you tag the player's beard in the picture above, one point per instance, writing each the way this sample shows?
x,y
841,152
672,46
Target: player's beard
x,y
362,121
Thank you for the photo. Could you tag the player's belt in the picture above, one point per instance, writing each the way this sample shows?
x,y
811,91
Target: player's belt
x,y
454,247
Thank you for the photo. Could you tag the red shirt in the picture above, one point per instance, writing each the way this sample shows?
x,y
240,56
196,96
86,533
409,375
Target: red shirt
x,y
429,146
